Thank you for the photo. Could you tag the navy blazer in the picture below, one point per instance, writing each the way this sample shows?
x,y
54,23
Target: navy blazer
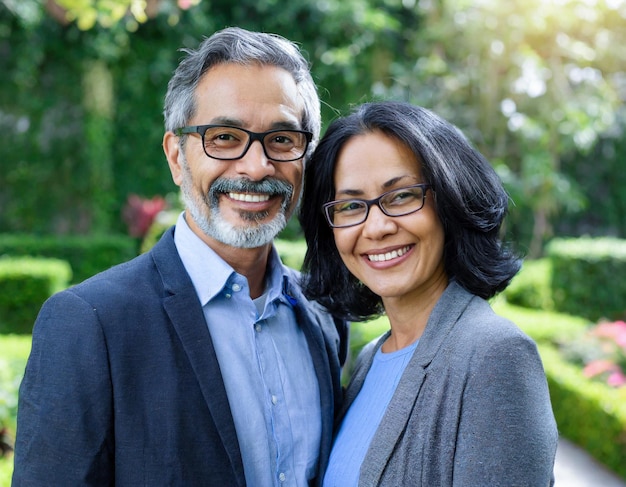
x,y
123,386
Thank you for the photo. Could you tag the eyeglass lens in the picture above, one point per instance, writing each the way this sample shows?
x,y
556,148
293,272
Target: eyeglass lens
x,y
393,203
232,143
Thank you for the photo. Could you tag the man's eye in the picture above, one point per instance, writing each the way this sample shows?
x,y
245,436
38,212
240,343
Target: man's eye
x,y
225,137
282,139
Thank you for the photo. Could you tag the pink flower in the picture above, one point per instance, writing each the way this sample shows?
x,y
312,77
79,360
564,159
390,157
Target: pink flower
x,y
597,367
615,331
139,213
616,379
185,4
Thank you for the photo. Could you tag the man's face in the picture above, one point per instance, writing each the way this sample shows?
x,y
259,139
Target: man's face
x,y
245,202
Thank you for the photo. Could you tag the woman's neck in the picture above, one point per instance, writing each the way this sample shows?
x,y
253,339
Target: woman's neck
x,y
408,316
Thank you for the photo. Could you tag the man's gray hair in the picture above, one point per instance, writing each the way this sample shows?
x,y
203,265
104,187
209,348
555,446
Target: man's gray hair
x,y
236,45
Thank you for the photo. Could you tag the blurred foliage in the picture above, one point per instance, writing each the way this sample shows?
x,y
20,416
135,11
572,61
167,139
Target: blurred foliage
x,y
531,287
585,276
25,283
87,255
537,85
14,350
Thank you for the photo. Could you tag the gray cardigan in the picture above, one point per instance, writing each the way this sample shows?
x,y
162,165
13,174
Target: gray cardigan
x,y
472,408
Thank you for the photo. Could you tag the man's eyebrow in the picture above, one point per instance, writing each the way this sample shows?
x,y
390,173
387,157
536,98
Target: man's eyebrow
x,y
235,122
287,125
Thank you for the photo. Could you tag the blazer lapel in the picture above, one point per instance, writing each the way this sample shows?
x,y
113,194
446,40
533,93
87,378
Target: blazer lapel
x,y
440,324
185,312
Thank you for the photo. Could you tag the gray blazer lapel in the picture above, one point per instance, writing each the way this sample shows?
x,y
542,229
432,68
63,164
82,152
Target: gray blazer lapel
x,y
185,312
440,324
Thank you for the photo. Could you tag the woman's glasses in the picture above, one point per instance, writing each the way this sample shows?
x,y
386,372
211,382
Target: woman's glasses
x,y
398,202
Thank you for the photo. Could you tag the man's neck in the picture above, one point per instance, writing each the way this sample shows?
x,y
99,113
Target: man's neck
x,y
250,263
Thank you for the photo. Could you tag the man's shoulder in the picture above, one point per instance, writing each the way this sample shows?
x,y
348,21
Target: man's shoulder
x,y
137,275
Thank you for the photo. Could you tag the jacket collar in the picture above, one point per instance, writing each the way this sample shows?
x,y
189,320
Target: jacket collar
x,y
185,312
440,324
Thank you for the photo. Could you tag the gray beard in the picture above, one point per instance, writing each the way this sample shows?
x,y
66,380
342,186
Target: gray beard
x,y
204,209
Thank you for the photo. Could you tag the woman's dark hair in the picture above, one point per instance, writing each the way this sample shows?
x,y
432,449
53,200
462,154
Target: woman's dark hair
x,y
470,202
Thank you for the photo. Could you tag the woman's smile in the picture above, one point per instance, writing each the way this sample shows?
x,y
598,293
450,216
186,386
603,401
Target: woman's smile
x,y
388,256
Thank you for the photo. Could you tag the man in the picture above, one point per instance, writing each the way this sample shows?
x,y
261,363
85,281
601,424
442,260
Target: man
x,y
200,362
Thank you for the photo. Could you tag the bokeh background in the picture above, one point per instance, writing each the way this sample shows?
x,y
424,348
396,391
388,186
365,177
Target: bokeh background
x,y
537,85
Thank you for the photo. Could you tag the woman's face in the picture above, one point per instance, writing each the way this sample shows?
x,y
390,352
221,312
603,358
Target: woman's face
x,y
396,257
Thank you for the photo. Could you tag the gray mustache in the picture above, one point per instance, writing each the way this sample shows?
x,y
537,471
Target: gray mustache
x,y
273,187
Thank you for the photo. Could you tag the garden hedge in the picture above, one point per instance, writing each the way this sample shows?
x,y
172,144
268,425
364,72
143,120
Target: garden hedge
x,y
25,283
87,255
589,413
588,276
531,287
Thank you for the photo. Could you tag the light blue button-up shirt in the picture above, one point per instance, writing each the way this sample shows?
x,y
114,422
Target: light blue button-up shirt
x,y
265,362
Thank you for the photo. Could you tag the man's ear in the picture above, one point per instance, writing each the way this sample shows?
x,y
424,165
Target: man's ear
x,y
172,150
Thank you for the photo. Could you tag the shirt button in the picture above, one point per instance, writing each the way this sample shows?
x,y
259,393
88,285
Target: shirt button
x,y
236,287
228,295
258,327
274,401
282,477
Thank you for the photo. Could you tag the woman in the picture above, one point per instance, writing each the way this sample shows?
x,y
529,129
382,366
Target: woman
x,y
403,216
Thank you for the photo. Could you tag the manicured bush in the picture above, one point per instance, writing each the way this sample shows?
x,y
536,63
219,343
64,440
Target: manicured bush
x,y
25,283
531,287
87,255
542,326
588,277
589,413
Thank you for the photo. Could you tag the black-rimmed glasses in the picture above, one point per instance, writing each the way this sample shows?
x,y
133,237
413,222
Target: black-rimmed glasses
x,y
398,202
229,143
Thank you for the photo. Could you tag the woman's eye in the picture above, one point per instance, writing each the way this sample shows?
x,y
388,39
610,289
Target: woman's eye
x,y
401,197
348,206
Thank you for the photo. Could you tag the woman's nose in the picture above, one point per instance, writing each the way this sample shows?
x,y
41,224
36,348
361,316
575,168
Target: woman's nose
x,y
377,224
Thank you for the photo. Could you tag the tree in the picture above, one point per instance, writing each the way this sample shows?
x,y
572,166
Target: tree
x,y
531,82
63,142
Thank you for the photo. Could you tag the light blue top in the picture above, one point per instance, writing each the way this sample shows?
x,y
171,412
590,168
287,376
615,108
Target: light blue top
x,y
364,416
265,362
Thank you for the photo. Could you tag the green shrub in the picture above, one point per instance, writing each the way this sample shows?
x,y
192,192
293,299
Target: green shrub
x,y
25,283
291,252
542,326
531,286
87,255
589,413
6,471
588,277
14,350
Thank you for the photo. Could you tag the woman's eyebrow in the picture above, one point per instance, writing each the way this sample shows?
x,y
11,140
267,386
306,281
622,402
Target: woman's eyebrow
x,y
385,186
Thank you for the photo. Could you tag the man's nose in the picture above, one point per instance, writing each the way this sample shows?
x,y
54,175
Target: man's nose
x,y
255,163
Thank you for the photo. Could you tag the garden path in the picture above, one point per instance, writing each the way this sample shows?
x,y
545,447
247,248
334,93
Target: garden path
x,y
576,468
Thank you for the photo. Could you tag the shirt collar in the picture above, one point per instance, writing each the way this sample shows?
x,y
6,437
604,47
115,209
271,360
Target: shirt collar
x,y
209,273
